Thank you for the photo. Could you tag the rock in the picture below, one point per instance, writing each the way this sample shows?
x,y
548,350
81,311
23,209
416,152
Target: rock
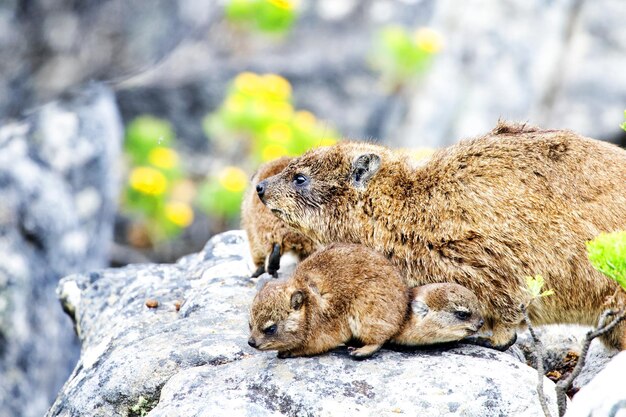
x,y
555,64
196,361
58,197
604,395
559,341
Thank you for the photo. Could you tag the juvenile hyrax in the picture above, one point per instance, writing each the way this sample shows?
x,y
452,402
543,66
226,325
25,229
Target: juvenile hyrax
x,y
484,213
269,237
440,313
340,293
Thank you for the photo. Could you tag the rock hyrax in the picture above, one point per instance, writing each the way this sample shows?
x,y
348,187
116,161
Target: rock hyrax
x,y
440,313
484,213
269,237
340,293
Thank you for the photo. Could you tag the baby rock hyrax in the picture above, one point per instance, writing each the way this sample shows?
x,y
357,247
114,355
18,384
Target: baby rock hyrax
x,y
440,313
340,293
269,237
484,213
346,292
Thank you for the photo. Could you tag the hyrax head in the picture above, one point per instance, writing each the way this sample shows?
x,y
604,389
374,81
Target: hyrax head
x,y
277,317
322,184
446,312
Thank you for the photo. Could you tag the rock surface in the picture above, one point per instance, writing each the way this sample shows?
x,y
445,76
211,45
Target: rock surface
x,y
604,395
159,361
57,201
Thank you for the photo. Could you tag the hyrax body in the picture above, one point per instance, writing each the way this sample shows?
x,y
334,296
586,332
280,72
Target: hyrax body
x,y
269,237
340,293
444,312
484,213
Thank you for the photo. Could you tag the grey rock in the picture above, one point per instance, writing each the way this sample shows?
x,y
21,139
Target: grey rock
x,y
58,198
604,395
558,340
196,362
556,64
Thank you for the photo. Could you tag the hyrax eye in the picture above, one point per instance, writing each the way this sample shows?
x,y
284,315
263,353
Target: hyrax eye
x,y
300,180
270,330
462,314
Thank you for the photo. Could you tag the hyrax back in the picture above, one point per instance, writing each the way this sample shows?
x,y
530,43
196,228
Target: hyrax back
x,y
440,313
340,293
269,237
484,213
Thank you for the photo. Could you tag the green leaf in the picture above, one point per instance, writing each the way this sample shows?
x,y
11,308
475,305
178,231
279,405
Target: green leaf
x,y
534,286
607,254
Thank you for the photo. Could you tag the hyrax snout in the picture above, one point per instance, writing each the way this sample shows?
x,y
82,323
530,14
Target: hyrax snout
x,y
268,236
484,213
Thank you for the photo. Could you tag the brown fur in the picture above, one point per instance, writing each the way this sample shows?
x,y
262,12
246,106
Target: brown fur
x,y
340,293
484,213
440,313
263,228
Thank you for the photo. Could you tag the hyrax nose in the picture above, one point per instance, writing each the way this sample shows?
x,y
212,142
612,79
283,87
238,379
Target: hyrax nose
x,y
260,189
252,343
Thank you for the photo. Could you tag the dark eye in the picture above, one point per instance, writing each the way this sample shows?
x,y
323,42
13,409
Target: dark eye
x,y
462,314
300,180
270,330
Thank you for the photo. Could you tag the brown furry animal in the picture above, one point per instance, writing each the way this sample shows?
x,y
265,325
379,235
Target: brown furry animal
x,y
440,313
340,293
269,237
484,213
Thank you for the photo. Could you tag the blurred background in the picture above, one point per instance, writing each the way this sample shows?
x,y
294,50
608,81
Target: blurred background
x,y
129,129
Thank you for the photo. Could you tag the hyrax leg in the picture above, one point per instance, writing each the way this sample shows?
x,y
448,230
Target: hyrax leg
x,y
273,261
364,351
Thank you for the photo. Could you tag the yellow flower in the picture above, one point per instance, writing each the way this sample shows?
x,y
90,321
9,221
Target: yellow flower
x,y
179,213
162,157
279,110
279,132
428,40
305,120
271,152
282,4
277,86
148,180
327,141
233,179
235,103
248,82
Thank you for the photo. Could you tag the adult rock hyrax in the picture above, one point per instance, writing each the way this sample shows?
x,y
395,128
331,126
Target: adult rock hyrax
x,y
484,213
440,313
339,293
269,237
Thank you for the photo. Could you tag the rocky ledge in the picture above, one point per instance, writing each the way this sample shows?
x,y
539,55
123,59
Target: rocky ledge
x,y
188,355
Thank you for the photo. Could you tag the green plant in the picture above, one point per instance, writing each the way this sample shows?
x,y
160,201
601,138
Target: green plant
x,y
269,16
401,55
256,123
623,125
152,192
607,254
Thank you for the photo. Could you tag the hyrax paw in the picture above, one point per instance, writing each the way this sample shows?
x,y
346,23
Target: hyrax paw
x,y
285,354
363,352
486,342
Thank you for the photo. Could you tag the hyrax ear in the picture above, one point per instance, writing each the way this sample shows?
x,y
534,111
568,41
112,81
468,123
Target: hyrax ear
x,y
419,308
297,299
363,169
